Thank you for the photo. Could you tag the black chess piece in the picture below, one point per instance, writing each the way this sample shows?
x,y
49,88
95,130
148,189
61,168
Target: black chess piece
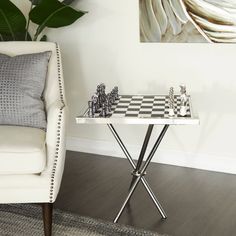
x,y
99,102
90,109
103,111
116,92
95,102
109,103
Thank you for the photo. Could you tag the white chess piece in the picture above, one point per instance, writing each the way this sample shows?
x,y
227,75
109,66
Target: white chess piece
x,y
171,112
183,111
183,100
183,95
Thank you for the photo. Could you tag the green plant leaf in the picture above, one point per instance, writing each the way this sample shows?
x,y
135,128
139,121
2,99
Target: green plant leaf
x,y
35,2
67,2
53,14
44,38
18,37
12,20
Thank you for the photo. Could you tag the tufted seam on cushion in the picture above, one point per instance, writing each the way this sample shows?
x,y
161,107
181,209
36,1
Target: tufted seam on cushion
x,y
58,142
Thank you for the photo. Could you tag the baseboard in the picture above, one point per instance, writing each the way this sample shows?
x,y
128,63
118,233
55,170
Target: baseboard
x,y
192,160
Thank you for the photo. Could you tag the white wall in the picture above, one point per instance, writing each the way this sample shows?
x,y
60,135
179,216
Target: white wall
x,y
104,46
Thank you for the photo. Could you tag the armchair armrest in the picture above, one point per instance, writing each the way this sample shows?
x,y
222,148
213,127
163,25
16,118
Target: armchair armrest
x,y
55,146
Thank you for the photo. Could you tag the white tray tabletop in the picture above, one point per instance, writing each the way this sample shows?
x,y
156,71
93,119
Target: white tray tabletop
x,y
142,109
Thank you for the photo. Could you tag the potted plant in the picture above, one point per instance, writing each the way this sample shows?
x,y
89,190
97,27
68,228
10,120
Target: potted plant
x,y
44,13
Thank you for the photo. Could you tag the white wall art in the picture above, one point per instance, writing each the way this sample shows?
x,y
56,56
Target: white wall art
x,y
188,21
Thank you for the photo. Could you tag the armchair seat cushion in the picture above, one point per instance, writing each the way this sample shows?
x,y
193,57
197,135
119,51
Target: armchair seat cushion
x,y
22,150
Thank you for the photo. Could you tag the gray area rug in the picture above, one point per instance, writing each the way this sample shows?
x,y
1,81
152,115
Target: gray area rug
x,y
25,219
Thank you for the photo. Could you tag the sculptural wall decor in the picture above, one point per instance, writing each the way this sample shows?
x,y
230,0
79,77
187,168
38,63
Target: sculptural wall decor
x,y
188,21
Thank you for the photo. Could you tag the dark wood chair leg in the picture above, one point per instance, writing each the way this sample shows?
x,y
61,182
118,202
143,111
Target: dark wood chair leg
x,y
47,218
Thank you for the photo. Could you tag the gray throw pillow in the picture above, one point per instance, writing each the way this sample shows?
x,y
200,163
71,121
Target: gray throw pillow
x,y
22,80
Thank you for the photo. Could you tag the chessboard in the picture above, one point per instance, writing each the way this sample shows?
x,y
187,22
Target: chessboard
x,y
144,106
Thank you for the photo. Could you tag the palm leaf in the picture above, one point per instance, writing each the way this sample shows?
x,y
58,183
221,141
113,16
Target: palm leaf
x,y
68,2
12,20
35,2
53,14
44,38
19,36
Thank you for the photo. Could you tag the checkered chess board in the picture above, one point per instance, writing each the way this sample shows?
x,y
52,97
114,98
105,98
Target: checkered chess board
x,y
142,109
143,106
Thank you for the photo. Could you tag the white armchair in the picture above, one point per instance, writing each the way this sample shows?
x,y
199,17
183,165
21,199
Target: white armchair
x,y
32,160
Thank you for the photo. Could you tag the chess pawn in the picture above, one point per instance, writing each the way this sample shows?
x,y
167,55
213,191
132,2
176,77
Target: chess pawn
x,y
95,102
90,109
171,112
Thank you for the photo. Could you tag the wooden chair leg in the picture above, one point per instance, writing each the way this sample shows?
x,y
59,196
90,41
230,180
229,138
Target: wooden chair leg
x,y
47,218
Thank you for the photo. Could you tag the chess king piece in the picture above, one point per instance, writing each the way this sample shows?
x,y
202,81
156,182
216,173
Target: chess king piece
x,y
171,102
171,108
99,96
102,94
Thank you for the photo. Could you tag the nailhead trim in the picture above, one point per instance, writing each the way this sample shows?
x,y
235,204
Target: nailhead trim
x,y
60,82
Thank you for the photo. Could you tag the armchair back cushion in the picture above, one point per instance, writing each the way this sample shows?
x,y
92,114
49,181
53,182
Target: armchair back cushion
x,y
22,80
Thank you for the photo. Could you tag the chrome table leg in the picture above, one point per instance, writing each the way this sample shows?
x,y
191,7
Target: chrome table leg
x,y
142,153
140,176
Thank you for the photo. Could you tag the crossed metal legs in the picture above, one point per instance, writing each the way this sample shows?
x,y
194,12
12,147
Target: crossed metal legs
x,y
139,170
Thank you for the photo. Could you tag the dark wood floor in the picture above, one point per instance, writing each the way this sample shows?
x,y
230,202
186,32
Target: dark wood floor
x,y
197,202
